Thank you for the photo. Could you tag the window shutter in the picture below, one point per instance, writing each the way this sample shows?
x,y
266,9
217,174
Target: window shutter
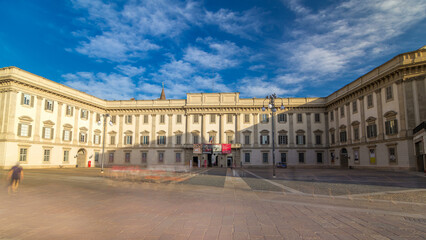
x,y
164,140
131,139
19,129
94,139
396,126
52,131
267,139
45,104
32,101
22,98
125,140
43,133
304,139
72,110
63,135
70,135
261,139
79,137
29,130
53,105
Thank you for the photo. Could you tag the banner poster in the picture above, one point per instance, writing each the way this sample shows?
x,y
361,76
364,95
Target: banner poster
x,y
372,156
217,148
226,148
207,148
197,149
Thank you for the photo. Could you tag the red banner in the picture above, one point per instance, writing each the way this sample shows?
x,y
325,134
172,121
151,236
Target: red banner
x,y
226,148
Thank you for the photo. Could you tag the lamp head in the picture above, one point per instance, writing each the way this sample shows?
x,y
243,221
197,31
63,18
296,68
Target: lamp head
x,y
270,105
263,108
99,123
110,123
282,107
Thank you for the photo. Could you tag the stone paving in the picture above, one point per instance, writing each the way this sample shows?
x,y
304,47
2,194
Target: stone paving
x,y
83,204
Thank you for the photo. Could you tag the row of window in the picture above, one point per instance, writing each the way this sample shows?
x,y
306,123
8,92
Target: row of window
x,y
301,157
370,103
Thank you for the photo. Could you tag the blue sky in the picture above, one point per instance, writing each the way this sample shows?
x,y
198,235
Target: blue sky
x,y
121,49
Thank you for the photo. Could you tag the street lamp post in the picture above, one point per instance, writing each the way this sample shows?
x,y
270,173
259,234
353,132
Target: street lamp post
x,y
271,105
105,116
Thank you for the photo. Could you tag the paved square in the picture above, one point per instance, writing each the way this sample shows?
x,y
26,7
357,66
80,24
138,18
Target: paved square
x,y
216,204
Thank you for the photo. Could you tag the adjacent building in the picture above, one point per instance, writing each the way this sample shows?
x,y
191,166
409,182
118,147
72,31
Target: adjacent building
x,y
376,121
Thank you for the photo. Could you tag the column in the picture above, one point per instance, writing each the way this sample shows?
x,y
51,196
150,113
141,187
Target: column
x,y
337,136
3,114
120,131
11,115
90,132
327,130
348,123
291,129
137,122
153,126
309,131
237,128
256,129
221,133
187,117
169,131
401,109
203,128
379,114
362,109
37,122
75,131
59,123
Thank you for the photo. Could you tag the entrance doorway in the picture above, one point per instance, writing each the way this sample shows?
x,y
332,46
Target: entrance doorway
x,y
209,160
229,162
195,162
81,158
344,158
419,157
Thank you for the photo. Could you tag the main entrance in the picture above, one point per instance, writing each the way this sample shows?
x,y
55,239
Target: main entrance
x,y
81,158
344,158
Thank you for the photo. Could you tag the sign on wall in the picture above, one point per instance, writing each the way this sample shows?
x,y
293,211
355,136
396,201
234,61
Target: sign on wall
x,y
207,148
226,148
372,156
217,148
197,149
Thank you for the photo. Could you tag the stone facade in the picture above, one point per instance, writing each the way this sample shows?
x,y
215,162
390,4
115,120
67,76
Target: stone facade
x,y
368,123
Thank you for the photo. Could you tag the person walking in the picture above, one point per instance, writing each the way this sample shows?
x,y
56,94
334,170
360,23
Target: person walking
x,y
15,175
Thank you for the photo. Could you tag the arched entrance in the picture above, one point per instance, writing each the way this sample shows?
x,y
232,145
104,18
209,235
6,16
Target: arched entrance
x,y
344,158
81,158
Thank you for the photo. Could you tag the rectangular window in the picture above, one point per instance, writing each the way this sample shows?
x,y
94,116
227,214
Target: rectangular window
x,y
144,157
127,157
46,156
178,139
247,157
319,157
23,154
114,119
282,139
333,140
356,133
195,118
318,139
246,139
128,119
265,157
82,137
370,101
161,140
391,127
26,99
112,140
246,118
300,139
264,118
48,105
69,111
389,93
372,131
342,111
282,117
212,118
230,139
145,119
195,139
97,139
98,117
332,116
264,139
284,157
354,107
111,157
392,155
299,118
229,118
24,130
317,118
128,140
343,137
67,156
179,118
145,140
84,114
47,133
162,119
301,157
178,157
96,156
160,157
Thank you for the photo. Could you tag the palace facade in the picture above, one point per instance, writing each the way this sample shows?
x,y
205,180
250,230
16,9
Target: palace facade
x,y
376,121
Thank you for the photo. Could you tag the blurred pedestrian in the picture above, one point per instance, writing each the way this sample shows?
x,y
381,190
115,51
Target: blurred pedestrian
x,y
15,175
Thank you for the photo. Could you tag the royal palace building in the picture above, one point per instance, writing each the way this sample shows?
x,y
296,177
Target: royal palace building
x,y
376,121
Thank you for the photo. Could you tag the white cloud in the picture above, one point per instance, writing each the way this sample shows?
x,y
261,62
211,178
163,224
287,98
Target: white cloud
x,y
261,87
106,86
130,70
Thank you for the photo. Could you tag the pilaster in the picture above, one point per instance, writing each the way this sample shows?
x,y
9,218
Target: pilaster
x,y
380,134
362,109
348,123
221,133
137,122
170,129
327,130
153,127
337,117
256,129
203,128
120,130
401,108
75,132
309,129
59,123
90,132
187,117
291,129
237,128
